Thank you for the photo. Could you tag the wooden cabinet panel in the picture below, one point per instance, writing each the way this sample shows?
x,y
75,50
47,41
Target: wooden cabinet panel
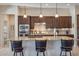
x,y
51,21
78,29
78,26
78,21
22,20
34,19
47,19
64,22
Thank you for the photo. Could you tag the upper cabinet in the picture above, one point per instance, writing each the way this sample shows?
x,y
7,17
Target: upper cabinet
x,y
22,20
63,22
51,21
46,19
78,26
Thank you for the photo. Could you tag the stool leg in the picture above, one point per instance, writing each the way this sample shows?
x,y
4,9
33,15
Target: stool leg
x,y
14,53
43,53
65,53
37,53
70,53
60,53
22,53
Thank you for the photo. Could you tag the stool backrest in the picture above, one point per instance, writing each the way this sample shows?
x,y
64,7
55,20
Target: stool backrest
x,y
16,44
67,43
41,43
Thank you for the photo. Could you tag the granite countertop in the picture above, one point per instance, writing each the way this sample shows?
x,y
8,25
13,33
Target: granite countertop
x,y
46,38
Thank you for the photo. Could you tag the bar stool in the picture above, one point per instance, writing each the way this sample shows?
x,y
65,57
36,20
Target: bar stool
x,y
41,46
17,47
66,46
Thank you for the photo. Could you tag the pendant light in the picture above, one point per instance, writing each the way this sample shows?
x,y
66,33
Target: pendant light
x,y
40,11
56,15
25,16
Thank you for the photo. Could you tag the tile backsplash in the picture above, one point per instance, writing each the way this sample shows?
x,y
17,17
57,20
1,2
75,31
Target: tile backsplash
x,y
57,31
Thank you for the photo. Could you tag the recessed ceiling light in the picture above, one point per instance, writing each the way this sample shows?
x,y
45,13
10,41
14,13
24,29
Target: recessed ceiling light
x,y
56,15
46,4
40,15
25,16
68,4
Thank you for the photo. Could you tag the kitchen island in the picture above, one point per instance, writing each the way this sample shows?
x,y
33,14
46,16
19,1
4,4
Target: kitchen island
x,y
45,37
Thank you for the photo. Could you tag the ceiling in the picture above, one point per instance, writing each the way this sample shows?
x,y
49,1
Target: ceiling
x,y
44,5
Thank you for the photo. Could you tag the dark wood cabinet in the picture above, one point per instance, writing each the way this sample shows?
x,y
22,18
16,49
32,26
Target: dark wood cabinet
x,y
78,29
22,20
78,26
64,22
46,19
51,21
33,20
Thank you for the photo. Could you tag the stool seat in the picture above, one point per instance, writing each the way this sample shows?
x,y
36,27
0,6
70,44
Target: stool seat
x,y
41,46
66,45
17,47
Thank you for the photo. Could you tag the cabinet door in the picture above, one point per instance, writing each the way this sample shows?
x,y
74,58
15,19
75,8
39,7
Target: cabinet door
x,y
22,20
78,29
78,26
46,19
64,22
49,21
52,22
34,19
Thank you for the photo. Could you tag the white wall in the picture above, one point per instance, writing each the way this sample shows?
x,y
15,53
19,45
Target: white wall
x,y
77,10
5,12
6,9
11,26
45,11
3,18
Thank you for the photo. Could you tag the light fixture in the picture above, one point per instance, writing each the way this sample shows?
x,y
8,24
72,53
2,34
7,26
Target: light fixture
x,y
25,16
46,4
41,16
56,15
40,11
68,4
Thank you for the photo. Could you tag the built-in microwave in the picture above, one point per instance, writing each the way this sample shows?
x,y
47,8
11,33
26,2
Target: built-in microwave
x,y
23,29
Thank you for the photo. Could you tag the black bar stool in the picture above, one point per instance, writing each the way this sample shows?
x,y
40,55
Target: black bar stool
x,y
41,46
66,45
17,47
